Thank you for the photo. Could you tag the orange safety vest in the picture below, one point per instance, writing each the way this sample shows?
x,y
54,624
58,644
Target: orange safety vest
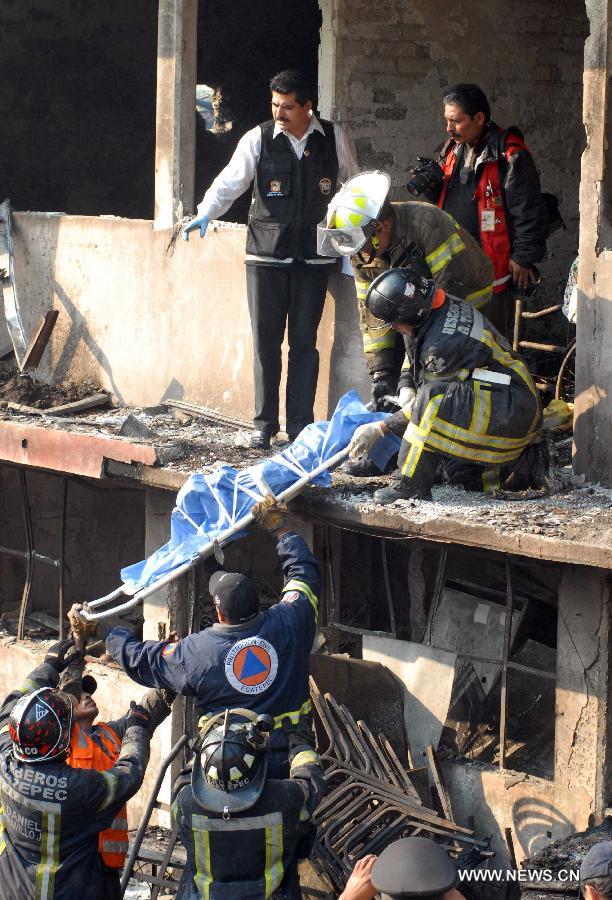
x,y
86,753
494,240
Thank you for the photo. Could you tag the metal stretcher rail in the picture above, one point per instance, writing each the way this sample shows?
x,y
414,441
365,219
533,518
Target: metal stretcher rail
x,y
207,550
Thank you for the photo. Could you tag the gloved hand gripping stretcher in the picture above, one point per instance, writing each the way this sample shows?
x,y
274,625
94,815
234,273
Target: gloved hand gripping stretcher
x,y
213,509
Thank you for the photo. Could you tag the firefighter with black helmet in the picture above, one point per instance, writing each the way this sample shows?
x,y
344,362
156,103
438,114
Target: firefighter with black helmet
x,y
473,408
244,832
51,814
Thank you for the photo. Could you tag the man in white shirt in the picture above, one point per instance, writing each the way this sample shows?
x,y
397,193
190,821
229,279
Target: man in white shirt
x,y
295,161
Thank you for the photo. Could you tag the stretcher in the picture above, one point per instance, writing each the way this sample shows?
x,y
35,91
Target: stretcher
x,y
91,613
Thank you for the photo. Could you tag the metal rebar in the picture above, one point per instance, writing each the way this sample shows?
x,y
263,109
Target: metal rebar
x,y
385,566
23,554
27,587
144,822
504,674
548,348
437,595
518,312
540,313
60,593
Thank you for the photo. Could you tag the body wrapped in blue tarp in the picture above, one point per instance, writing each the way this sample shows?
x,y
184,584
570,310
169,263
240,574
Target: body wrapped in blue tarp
x,y
208,504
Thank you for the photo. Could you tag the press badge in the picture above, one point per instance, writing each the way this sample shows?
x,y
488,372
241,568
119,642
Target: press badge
x,y
487,220
275,188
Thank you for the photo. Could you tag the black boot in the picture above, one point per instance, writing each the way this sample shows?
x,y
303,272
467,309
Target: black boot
x,y
417,487
364,467
402,489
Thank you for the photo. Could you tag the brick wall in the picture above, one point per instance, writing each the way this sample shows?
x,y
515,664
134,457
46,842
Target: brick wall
x,y
395,59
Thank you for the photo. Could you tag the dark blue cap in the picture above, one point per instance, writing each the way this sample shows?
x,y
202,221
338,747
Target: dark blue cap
x,y
235,595
413,867
598,862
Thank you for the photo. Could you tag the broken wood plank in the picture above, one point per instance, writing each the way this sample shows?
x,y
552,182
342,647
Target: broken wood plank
x,y
39,340
63,408
204,413
98,399
510,846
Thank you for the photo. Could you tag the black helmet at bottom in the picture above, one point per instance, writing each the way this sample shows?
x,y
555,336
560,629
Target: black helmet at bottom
x,y
401,296
229,770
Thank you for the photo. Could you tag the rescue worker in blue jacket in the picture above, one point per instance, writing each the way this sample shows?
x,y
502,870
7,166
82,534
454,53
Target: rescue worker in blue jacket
x,y
250,659
472,408
50,813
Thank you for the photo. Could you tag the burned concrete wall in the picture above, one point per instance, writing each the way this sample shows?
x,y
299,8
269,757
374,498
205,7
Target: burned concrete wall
x,y
104,532
384,74
78,105
148,324
594,361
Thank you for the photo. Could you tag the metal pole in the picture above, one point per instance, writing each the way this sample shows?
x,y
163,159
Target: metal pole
x,y
62,559
504,674
385,565
27,521
144,824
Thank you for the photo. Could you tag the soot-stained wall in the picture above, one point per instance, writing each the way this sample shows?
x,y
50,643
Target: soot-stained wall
x,y
105,530
390,69
240,47
78,105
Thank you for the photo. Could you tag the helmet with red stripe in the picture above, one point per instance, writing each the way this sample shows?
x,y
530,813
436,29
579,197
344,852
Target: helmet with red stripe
x,y
40,725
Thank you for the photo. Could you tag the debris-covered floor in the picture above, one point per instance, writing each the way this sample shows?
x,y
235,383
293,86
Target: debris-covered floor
x,y
574,511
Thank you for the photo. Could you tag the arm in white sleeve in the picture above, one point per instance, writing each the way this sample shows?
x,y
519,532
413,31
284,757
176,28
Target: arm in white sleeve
x,y
345,151
235,178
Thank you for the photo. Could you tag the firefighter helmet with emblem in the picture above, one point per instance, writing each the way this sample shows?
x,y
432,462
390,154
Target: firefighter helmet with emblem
x,y
352,215
40,725
401,296
230,765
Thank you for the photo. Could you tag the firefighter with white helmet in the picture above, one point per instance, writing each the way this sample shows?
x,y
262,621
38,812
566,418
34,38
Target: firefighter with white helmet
x,y
380,235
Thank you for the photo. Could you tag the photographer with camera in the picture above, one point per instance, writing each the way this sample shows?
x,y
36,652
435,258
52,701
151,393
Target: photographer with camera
x,y
487,180
380,235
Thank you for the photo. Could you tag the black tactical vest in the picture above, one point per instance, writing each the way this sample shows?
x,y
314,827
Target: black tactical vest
x,y
291,195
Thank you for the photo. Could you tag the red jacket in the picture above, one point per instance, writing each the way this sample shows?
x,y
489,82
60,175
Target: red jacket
x,y
511,216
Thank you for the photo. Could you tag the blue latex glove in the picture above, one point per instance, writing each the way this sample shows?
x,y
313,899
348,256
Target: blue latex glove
x,y
201,223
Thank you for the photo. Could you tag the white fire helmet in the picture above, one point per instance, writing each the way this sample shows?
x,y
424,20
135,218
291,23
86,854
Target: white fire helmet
x,y
352,214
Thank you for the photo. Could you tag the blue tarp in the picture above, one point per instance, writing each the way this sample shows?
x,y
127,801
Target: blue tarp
x,y
207,505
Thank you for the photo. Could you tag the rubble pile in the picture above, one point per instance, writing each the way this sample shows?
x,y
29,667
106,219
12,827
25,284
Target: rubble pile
x,y
20,387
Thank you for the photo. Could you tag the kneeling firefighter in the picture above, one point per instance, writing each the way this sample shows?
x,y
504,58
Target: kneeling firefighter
x,y
244,832
470,405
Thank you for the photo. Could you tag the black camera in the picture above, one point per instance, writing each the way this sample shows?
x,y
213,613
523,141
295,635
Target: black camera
x,y
427,178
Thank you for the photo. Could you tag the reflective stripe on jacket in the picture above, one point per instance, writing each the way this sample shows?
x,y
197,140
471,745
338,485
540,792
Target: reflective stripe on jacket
x,y
262,664
251,855
99,751
456,262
